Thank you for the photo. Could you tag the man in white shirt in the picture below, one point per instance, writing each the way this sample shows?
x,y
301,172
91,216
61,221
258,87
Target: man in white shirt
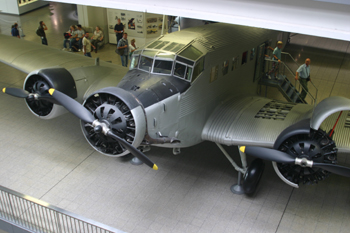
x,y
304,76
87,45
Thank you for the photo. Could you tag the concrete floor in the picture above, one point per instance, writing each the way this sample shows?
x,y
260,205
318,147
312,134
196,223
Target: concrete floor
x,y
51,160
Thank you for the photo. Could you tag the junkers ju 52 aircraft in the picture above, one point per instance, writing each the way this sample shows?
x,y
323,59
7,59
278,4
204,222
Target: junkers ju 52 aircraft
x,y
185,87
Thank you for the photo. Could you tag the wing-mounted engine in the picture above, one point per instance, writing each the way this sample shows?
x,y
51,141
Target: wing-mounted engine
x,y
300,142
37,84
121,113
306,139
305,153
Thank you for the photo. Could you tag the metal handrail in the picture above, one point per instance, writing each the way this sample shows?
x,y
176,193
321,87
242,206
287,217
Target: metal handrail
x,y
38,216
285,66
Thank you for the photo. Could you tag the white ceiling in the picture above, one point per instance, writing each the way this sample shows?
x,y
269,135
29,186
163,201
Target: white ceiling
x,y
323,18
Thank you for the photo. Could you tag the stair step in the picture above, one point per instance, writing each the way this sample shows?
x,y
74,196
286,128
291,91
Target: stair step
x,y
281,77
290,91
295,96
285,85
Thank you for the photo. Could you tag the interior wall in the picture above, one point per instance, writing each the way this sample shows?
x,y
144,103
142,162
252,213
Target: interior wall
x,y
309,17
89,16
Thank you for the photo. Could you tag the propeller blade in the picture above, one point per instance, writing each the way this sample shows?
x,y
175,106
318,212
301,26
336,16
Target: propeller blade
x,y
336,169
72,106
268,154
141,156
16,92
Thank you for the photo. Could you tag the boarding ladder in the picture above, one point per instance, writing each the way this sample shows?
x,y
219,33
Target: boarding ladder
x,y
285,81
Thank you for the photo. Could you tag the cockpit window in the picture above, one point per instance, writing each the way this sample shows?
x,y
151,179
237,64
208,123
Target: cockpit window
x,y
191,53
146,63
134,62
162,67
180,70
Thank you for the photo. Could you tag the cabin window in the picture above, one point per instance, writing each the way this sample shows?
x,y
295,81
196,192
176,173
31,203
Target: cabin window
x,y
252,54
162,67
225,67
146,63
134,62
180,70
214,73
235,62
199,67
244,57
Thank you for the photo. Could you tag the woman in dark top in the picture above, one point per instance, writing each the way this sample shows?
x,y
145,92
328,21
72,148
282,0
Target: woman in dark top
x,y
41,32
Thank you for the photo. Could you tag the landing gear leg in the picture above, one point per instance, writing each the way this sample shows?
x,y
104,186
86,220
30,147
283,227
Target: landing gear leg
x,y
236,188
135,160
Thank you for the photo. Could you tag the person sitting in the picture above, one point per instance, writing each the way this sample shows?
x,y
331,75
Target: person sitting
x,y
68,36
77,36
14,31
97,37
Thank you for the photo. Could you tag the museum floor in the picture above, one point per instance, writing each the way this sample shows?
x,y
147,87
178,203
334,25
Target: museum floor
x,y
190,192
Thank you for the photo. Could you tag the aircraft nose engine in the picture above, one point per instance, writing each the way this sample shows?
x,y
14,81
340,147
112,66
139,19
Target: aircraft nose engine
x,y
119,111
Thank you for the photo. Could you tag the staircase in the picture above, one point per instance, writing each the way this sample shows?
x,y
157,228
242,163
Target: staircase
x,y
285,82
286,88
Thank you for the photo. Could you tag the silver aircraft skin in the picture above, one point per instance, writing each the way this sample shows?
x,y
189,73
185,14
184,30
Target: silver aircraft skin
x,y
183,88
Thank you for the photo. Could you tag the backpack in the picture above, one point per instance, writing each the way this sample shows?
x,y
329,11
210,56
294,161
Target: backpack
x,y
38,32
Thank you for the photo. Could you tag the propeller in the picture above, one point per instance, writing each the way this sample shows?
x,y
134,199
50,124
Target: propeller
x,y
281,157
20,93
85,115
16,92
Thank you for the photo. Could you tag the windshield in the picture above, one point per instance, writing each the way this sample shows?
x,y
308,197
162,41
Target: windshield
x,y
134,62
146,63
162,67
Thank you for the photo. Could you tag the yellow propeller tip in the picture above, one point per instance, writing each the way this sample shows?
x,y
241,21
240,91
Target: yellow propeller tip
x,y
51,90
242,148
4,90
155,167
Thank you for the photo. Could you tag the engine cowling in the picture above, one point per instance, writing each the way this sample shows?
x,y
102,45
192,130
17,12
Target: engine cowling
x,y
40,81
300,141
122,113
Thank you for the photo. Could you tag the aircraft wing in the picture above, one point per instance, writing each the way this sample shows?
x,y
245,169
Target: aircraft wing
x,y
258,121
27,56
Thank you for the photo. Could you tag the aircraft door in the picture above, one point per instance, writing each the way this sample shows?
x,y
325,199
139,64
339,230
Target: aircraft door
x,y
259,65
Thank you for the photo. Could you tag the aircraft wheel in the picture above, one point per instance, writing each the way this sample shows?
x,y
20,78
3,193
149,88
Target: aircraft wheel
x,y
252,176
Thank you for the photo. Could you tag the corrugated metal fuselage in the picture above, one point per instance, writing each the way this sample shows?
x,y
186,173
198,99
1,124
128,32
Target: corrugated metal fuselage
x,y
184,113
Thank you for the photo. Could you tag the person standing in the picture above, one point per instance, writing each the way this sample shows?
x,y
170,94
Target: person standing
x,y
97,37
123,44
304,76
41,32
119,30
87,45
132,47
276,57
14,31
